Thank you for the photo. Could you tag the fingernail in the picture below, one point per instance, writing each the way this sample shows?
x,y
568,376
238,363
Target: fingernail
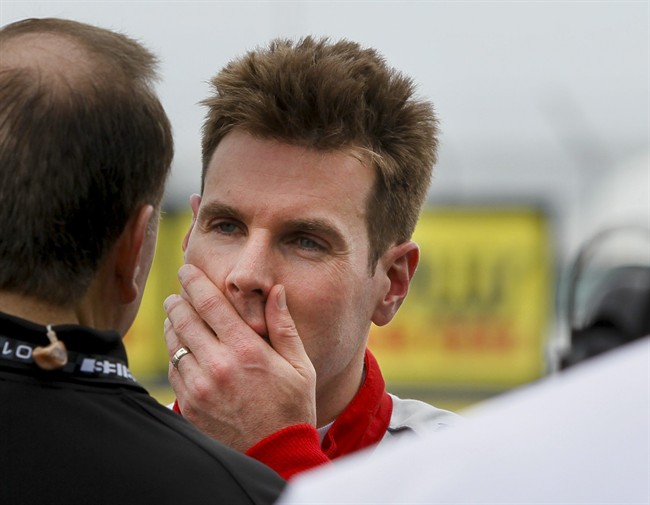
x,y
282,299
183,272
168,301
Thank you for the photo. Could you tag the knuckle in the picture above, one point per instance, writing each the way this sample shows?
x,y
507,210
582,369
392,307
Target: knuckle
x,y
219,371
202,390
207,304
215,378
178,320
182,324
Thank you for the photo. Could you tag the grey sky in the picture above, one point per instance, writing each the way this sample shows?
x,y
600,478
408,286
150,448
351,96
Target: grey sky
x,y
538,101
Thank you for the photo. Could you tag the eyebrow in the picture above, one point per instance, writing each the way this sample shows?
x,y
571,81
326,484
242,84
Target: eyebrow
x,y
321,227
214,209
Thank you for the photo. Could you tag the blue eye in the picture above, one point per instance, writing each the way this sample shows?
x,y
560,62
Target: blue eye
x,y
309,244
226,227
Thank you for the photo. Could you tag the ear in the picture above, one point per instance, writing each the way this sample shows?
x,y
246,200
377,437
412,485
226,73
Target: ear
x,y
398,266
195,202
129,249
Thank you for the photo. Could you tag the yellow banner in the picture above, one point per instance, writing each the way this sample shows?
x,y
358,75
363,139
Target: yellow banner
x,y
478,307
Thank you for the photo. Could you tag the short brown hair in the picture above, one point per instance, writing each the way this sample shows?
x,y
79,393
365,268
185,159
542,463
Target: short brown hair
x,y
329,96
82,146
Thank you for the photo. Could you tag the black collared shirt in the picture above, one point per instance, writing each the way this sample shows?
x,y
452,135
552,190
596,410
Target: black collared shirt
x,y
90,434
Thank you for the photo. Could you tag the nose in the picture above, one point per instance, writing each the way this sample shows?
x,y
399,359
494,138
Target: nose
x,y
251,276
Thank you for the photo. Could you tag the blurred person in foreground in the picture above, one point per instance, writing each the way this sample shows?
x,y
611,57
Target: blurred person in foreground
x,y
85,150
579,437
317,158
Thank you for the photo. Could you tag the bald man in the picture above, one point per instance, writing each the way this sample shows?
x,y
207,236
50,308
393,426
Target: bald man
x,y
85,150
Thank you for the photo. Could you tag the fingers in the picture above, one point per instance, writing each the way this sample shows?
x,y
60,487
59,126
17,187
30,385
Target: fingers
x,y
175,378
188,377
186,328
183,378
171,339
213,308
283,334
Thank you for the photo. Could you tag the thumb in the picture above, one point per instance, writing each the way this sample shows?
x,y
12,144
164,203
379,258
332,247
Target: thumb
x,y
283,333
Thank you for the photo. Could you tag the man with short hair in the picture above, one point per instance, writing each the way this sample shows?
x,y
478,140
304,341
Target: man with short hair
x,y
85,150
317,159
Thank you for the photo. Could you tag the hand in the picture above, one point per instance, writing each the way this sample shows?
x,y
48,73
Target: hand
x,y
234,386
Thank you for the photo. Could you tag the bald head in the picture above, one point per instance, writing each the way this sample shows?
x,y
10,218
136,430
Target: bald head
x,y
84,141
62,51
57,60
51,52
76,43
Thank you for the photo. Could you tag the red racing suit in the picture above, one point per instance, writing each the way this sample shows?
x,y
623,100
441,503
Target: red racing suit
x,y
372,417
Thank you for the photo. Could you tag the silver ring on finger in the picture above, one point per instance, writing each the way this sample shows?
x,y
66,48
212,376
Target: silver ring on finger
x,y
178,355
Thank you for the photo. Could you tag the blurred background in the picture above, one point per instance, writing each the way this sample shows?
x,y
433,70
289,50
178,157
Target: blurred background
x,y
542,186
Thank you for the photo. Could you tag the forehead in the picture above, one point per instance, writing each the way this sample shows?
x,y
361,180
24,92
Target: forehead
x,y
273,176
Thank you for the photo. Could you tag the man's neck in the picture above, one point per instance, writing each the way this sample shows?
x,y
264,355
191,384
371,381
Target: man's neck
x,y
332,400
36,311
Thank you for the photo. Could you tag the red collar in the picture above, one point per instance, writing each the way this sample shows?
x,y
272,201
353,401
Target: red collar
x,y
365,420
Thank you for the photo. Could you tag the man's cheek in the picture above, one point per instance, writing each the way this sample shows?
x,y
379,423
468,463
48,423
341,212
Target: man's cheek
x,y
216,271
199,257
189,254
